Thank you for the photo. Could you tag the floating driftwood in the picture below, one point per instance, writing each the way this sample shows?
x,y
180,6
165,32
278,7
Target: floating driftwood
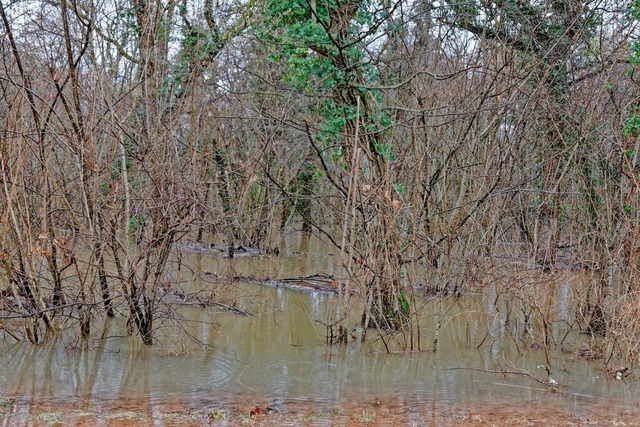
x,y
240,251
314,283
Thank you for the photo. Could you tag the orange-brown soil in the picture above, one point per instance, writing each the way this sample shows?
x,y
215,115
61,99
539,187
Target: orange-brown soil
x,y
375,413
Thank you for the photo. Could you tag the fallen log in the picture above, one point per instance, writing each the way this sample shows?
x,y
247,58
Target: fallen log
x,y
313,283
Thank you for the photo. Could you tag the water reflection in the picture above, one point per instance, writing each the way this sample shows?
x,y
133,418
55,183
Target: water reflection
x,y
280,353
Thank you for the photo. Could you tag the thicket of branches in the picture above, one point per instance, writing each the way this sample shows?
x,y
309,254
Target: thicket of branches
x,y
441,136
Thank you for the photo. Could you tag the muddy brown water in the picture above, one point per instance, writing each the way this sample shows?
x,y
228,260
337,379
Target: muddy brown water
x,y
278,357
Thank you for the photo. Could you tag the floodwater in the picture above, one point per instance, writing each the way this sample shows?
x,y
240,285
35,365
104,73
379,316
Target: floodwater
x,y
278,355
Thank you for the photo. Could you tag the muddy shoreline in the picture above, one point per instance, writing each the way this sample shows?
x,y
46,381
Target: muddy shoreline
x,y
15,411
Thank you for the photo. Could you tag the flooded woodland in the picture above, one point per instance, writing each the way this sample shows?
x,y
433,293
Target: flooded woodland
x,y
248,340
305,212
